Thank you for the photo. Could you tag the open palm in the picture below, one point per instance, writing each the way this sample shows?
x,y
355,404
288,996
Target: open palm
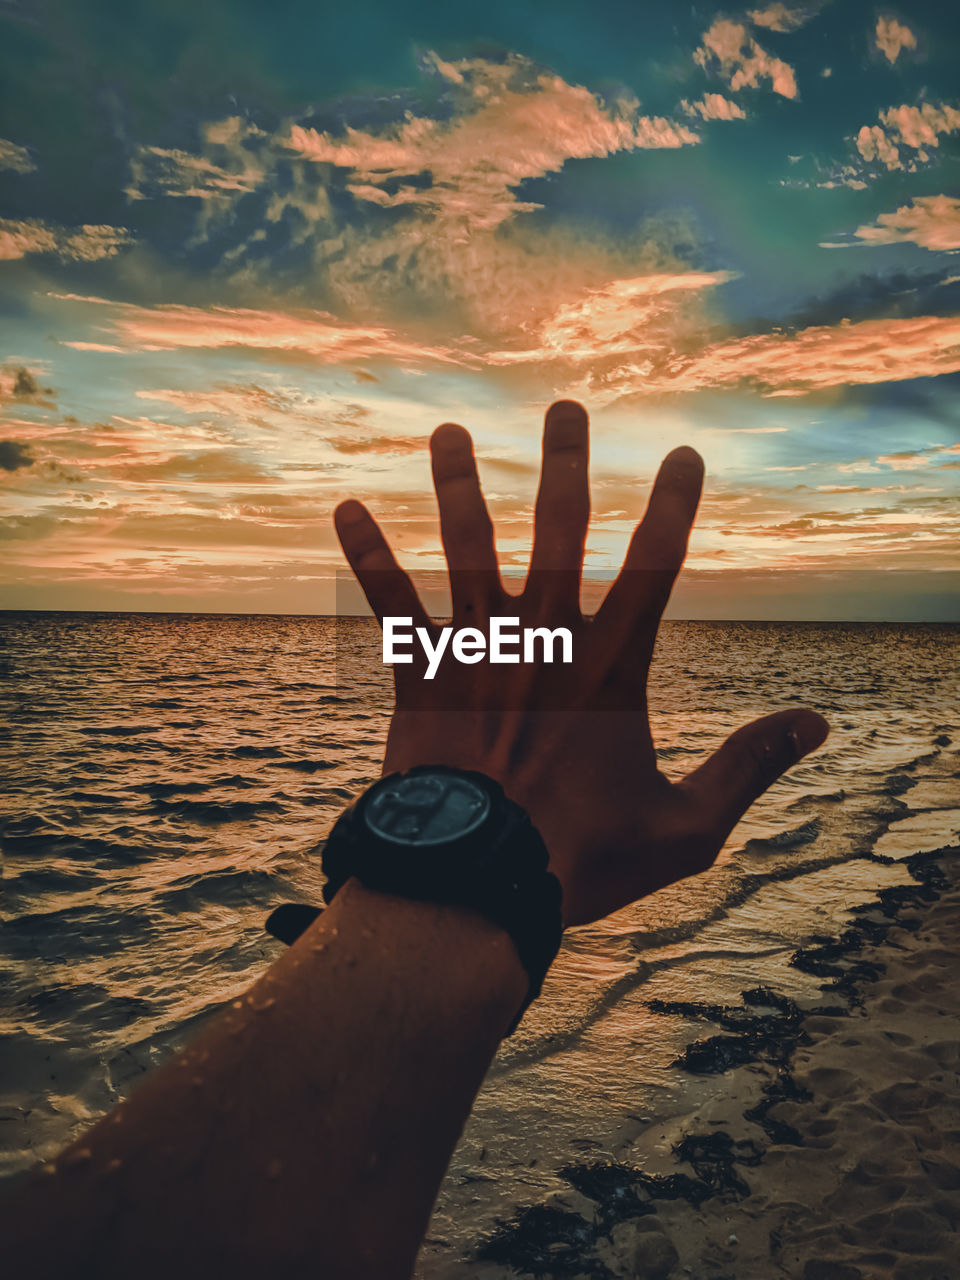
x,y
571,743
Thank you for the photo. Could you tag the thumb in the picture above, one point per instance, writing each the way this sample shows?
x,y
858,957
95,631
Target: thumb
x,y
724,787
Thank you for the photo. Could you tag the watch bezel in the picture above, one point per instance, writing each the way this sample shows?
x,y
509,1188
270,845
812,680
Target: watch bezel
x,y
444,870
374,793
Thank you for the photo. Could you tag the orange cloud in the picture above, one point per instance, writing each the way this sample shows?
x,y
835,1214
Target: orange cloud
x,y
727,45
381,444
313,333
612,320
781,17
270,414
284,423
823,356
494,285
158,171
814,359
714,106
892,36
933,222
81,244
511,124
237,401
920,126
874,143
449,180
94,346
915,127
917,459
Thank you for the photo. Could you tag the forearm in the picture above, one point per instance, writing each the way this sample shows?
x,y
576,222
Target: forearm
x,y
310,1127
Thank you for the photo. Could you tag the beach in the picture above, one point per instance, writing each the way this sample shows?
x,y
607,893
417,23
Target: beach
x,y
833,1153
169,778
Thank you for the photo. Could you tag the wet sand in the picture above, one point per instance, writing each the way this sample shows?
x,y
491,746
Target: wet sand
x,y
831,1147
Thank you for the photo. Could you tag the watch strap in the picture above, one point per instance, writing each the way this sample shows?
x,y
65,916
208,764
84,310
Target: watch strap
x,y
289,920
514,888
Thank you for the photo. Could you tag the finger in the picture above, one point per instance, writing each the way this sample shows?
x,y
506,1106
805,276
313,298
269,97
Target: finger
x,y
465,526
659,543
751,760
389,591
563,505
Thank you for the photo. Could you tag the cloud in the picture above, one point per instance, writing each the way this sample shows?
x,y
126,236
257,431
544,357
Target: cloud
x,y
619,318
94,346
874,143
510,122
14,455
933,222
238,401
156,171
380,444
917,459
919,127
25,384
389,209
846,175
15,158
727,46
714,106
79,244
905,126
211,466
496,285
935,456
814,359
871,351
285,423
19,385
279,419
312,333
892,36
782,17
277,412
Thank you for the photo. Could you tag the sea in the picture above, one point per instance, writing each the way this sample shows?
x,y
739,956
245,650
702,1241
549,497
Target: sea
x,y
168,778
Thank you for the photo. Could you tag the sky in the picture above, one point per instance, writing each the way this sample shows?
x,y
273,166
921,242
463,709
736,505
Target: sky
x,y
251,255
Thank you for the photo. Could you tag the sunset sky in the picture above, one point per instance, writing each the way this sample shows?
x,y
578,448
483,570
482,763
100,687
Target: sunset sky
x,y
252,254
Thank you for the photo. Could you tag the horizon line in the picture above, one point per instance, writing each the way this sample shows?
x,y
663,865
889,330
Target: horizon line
x,y
234,613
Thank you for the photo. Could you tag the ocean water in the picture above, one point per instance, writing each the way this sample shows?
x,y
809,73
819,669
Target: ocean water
x,y
166,777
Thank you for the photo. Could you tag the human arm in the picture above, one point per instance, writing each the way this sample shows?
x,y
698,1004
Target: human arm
x,y
306,1132
312,1123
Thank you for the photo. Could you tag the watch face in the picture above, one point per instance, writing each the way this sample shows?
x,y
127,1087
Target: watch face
x,y
426,809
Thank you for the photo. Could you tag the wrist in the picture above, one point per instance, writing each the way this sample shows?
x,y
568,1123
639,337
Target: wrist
x,y
455,957
451,838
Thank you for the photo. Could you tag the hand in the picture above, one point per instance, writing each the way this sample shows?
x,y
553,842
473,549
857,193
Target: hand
x,y
571,743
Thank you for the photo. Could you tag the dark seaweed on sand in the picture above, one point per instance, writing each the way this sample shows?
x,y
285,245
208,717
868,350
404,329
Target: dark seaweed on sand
x,y
771,1037
545,1241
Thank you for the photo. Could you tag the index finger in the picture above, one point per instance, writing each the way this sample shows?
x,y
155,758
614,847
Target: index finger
x,y
389,591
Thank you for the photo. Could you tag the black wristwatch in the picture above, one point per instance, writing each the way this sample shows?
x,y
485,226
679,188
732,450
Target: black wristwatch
x,y
445,835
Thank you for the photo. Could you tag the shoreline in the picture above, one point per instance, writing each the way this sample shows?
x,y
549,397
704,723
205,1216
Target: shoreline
x,y
831,1153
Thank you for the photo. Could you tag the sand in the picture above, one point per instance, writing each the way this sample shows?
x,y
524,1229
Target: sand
x,y
833,1155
